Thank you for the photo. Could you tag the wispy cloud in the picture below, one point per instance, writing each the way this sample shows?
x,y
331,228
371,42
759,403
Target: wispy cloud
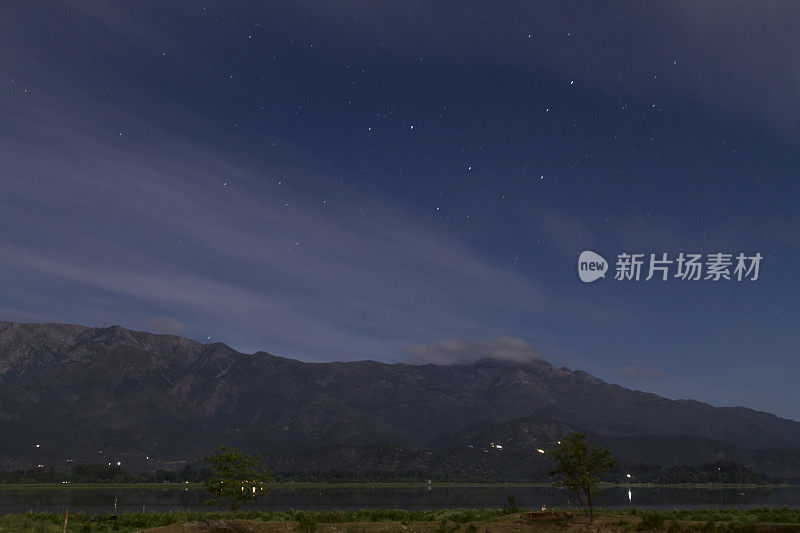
x,y
164,324
155,226
732,57
461,351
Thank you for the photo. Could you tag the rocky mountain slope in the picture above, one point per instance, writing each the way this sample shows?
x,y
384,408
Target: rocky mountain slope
x,y
84,393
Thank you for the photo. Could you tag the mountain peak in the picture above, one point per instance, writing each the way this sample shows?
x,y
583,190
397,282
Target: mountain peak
x,y
80,389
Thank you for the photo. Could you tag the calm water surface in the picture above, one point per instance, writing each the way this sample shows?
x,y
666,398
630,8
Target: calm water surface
x,y
109,500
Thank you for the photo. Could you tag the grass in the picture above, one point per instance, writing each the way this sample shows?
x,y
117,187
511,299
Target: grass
x,y
82,522
782,515
447,520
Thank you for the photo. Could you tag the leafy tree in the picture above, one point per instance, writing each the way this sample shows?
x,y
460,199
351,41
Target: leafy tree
x,y
236,478
579,466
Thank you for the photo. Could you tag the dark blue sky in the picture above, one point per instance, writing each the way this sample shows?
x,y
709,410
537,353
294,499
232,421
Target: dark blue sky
x,y
409,181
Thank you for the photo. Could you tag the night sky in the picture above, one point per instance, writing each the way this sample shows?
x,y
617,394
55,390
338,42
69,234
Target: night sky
x,y
405,181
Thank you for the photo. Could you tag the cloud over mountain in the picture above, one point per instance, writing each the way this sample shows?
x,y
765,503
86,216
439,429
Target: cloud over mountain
x,y
460,351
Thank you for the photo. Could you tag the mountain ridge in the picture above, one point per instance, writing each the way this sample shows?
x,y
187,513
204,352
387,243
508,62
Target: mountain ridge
x,y
75,388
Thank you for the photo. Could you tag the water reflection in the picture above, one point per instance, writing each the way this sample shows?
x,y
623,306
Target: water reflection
x,y
170,497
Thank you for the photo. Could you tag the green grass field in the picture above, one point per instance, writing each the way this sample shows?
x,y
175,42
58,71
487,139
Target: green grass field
x,y
50,522
468,521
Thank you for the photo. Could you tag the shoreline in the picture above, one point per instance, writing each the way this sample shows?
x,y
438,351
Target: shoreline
x,y
414,484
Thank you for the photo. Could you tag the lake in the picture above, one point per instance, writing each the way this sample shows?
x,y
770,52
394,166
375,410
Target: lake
x,y
175,497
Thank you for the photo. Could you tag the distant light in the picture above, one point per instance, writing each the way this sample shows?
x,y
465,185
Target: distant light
x,y
627,475
119,463
558,441
499,447
36,445
539,450
39,466
629,495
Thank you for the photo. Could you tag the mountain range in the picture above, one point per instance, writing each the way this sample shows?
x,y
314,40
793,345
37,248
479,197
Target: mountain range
x,y
73,394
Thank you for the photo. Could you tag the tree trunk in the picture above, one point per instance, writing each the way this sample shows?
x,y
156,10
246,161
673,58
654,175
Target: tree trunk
x,y
580,500
591,506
